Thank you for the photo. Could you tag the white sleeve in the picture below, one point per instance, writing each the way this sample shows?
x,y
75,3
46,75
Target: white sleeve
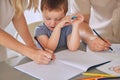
x,y
116,20
118,3
82,6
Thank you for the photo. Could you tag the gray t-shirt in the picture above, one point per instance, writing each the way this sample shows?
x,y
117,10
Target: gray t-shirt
x,y
43,30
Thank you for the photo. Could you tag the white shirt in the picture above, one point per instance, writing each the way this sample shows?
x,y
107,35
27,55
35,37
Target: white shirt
x,y
104,16
6,15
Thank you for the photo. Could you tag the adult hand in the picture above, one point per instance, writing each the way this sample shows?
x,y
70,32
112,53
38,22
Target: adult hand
x,y
42,57
97,44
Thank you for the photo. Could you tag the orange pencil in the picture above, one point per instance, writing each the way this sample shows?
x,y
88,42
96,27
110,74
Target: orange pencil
x,y
91,78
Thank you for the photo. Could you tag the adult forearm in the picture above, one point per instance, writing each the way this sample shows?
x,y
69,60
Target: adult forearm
x,y
85,32
8,41
22,28
37,55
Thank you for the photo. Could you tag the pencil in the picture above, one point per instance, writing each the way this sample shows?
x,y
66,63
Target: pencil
x,y
91,78
39,42
97,74
110,78
102,39
45,49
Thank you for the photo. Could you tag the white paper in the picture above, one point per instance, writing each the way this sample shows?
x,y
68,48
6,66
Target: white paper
x,y
111,55
114,56
112,68
53,71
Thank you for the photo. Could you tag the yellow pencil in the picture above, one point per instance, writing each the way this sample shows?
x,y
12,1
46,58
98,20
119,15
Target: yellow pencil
x,y
97,74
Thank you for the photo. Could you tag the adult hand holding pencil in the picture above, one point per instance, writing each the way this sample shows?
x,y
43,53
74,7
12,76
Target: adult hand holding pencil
x,y
107,42
47,56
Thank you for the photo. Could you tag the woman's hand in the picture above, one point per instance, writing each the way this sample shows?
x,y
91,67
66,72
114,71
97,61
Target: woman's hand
x,y
42,57
97,44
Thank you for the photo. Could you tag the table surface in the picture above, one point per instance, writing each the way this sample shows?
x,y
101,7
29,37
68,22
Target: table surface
x,y
7,72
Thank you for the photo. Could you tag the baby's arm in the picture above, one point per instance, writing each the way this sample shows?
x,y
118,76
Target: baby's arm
x,y
50,42
73,40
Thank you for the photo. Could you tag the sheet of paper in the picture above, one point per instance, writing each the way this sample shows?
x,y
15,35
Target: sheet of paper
x,y
112,68
111,55
53,71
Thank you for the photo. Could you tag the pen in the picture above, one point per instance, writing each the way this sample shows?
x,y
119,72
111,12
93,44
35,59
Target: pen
x,y
102,39
97,74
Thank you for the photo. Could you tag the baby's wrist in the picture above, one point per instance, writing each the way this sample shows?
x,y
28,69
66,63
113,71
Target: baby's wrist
x,y
57,28
76,26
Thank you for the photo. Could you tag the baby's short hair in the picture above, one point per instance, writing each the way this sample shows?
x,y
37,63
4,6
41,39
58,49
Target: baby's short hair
x,y
54,5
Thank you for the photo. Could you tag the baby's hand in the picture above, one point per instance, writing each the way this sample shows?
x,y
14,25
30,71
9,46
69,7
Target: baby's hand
x,y
97,44
77,19
65,21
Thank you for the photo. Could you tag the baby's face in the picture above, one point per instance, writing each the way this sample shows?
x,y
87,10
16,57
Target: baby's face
x,y
52,18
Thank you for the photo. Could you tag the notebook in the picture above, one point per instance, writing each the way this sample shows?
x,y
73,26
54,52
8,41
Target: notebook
x,y
66,66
